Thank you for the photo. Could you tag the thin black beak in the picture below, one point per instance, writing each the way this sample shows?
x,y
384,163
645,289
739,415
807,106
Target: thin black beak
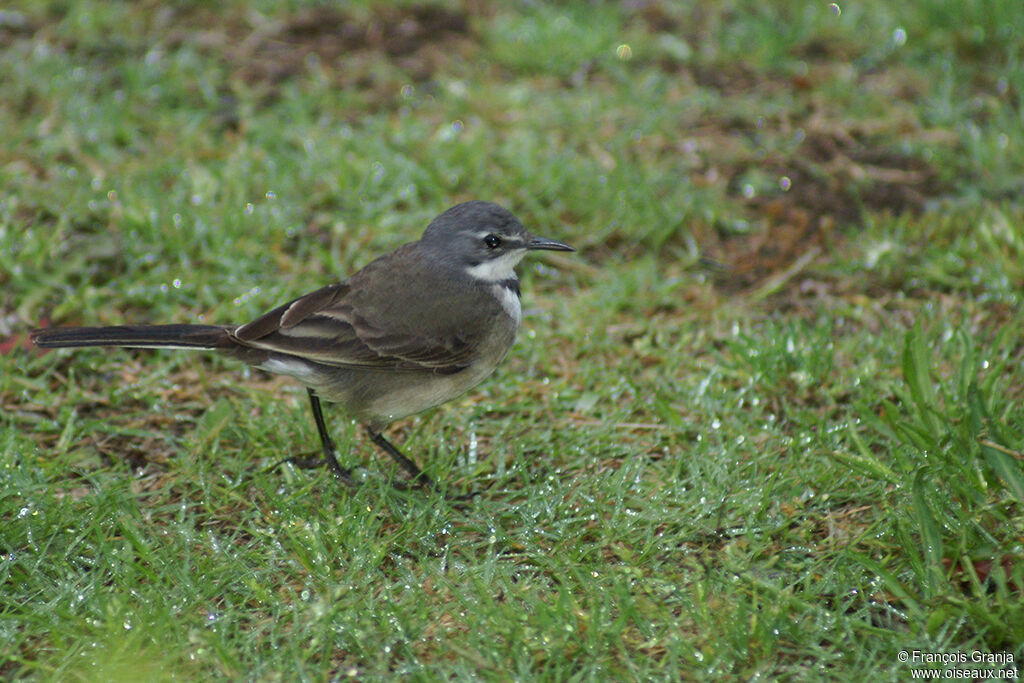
x,y
550,245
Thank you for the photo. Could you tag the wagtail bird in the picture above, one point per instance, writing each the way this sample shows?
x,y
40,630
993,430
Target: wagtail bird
x,y
411,330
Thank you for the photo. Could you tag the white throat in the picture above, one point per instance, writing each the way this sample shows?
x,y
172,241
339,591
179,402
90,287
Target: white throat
x,y
498,269
509,300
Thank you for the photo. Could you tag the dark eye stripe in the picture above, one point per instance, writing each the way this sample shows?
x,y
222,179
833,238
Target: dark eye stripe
x,y
492,241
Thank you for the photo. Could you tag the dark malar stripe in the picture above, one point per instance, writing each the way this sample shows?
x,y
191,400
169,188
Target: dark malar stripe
x,y
511,284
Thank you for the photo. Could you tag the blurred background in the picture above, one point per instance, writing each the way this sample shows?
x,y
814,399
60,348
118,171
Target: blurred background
x,y
765,423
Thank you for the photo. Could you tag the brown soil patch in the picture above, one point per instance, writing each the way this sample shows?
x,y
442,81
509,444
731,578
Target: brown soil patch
x,y
418,38
825,186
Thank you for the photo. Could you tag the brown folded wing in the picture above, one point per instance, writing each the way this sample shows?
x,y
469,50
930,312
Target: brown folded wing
x,y
324,327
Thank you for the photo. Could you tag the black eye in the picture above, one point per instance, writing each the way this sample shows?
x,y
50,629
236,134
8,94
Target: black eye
x,y
492,241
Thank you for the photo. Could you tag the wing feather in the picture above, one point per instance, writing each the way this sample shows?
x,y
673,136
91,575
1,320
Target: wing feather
x,y
324,326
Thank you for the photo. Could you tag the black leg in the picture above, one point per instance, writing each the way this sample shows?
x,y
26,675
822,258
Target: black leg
x,y
329,459
396,455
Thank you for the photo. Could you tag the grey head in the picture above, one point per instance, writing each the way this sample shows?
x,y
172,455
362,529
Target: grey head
x,y
483,238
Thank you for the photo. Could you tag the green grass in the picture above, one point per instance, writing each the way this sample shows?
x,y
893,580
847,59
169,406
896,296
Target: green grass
x,y
765,424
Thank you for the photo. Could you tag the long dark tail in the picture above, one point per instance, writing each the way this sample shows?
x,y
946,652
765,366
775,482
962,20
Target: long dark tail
x,y
155,336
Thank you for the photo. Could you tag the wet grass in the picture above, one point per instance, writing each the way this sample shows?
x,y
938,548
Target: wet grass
x,y
765,423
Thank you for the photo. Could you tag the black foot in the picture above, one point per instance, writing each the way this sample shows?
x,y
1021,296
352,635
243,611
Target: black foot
x,y
416,475
463,497
313,463
306,463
